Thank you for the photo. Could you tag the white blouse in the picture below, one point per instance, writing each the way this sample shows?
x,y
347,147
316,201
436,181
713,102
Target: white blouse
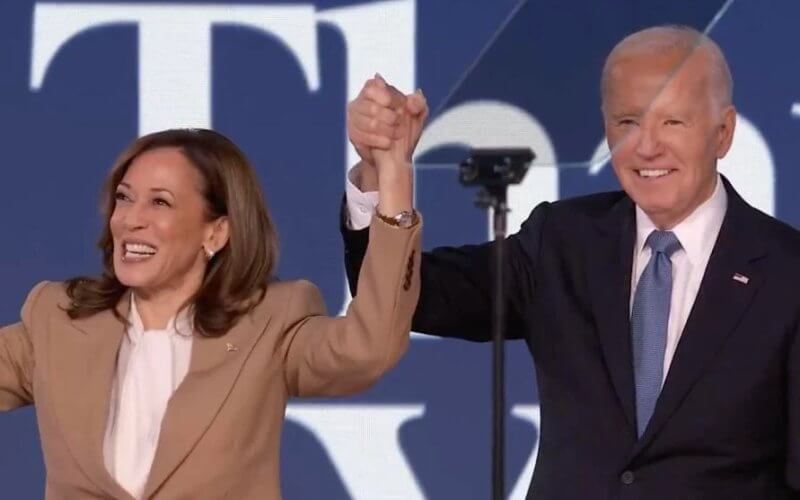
x,y
151,364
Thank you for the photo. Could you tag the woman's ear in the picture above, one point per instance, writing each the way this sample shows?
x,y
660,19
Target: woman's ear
x,y
218,235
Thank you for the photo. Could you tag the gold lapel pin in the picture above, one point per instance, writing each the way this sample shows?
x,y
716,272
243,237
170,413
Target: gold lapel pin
x,y
230,347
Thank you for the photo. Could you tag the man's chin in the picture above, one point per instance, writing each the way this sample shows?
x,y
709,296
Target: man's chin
x,y
652,204
653,198
665,216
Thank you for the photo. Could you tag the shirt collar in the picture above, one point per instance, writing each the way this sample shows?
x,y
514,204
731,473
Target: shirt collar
x,y
179,325
697,232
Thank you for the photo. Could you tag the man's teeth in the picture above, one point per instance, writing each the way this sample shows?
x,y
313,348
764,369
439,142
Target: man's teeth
x,y
653,172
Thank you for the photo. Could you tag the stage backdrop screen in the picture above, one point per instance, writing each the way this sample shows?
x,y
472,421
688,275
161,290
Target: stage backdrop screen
x,y
80,80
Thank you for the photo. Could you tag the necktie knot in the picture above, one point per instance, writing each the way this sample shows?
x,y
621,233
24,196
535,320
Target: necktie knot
x,y
663,242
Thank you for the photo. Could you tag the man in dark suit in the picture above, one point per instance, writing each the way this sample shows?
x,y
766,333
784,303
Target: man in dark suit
x,y
664,319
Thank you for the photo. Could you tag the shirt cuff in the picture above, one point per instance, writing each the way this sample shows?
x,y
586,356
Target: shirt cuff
x,y
360,205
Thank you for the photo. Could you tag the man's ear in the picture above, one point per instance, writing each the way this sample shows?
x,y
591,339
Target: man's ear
x,y
725,131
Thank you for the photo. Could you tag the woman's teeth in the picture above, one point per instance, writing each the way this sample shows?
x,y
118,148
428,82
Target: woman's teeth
x,y
137,251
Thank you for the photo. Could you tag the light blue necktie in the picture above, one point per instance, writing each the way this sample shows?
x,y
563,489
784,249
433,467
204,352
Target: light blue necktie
x,y
649,320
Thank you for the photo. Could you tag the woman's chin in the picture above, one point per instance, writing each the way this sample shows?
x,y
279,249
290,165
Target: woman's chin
x,y
132,278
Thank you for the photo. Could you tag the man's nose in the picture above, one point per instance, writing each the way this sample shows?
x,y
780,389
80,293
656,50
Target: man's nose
x,y
648,143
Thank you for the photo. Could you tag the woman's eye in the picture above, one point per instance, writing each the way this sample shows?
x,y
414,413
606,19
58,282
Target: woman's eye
x,y
161,202
120,196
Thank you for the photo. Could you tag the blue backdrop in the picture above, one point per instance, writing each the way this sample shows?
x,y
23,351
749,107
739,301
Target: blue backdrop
x,y
79,81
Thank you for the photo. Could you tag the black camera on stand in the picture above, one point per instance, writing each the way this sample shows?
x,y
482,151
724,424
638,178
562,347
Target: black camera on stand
x,y
495,167
494,170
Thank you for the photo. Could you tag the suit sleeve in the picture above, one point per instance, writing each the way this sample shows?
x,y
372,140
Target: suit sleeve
x,y
793,402
456,292
327,356
16,357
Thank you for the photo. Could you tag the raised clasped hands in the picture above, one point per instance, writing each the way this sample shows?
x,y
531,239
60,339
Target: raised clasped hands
x,y
384,125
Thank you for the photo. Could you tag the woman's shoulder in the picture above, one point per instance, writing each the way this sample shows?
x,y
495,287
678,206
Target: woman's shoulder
x,y
44,300
48,294
287,289
291,295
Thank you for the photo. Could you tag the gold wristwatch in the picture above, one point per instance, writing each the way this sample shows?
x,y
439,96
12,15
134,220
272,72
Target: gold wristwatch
x,y
404,219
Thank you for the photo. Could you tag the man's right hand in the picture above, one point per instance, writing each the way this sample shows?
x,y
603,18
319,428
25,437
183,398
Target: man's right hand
x,y
383,119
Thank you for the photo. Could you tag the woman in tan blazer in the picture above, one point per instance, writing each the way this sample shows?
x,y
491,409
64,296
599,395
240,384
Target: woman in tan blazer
x,y
168,376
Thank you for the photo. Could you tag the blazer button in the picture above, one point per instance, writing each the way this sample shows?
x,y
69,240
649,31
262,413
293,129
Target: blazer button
x,y
627,477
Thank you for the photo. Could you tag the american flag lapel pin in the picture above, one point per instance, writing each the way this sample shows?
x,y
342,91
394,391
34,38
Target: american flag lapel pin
x,y
741,278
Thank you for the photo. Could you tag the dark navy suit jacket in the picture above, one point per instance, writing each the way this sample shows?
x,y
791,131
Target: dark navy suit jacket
x,y
727,422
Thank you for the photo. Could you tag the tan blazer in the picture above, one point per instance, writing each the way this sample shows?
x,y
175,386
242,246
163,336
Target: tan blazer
x,y
221,433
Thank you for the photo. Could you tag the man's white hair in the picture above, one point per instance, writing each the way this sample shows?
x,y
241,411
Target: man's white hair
x,y
669,38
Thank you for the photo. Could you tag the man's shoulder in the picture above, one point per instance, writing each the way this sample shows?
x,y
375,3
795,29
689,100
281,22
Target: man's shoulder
x,y
595,204
579,210
578,217
776,234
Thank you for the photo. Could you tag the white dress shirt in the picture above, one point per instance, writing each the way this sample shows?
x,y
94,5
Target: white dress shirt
x,y
360,205
151,364
697,234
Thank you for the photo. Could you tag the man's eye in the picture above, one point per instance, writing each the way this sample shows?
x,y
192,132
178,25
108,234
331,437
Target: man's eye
x,y
627,122
673,122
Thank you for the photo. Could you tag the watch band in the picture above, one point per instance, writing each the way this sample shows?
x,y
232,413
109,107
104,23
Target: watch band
x,y
404,219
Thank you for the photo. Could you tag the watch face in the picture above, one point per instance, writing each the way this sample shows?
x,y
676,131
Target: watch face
x,y
405,219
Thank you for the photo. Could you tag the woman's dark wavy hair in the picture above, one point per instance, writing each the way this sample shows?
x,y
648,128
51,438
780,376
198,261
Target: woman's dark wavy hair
x,y
236,278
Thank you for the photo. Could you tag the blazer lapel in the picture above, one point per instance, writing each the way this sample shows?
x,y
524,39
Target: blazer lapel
x,y
213,369
82,363
720,304
609,268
